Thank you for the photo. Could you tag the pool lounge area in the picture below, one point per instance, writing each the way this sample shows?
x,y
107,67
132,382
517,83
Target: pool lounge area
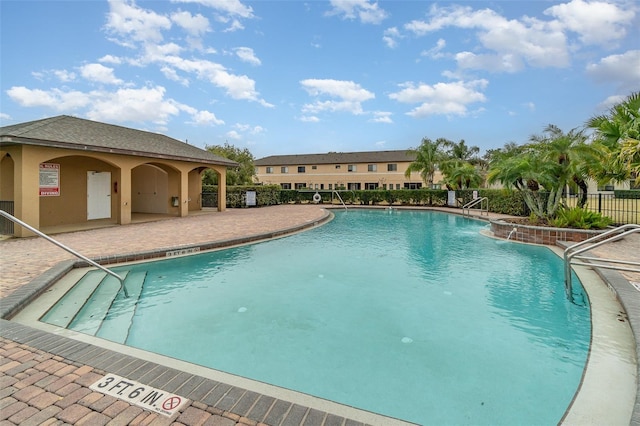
x,y
223,399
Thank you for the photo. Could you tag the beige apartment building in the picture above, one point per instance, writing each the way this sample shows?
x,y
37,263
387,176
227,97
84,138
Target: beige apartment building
x,y
340,170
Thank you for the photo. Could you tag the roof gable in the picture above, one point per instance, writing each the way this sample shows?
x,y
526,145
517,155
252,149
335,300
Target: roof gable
x,y
76,133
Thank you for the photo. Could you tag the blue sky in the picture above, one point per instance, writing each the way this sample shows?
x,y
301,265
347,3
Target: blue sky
x,y
294,77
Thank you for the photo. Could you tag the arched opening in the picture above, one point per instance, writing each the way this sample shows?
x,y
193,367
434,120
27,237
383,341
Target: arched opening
x,y
150,189
84,191
6,192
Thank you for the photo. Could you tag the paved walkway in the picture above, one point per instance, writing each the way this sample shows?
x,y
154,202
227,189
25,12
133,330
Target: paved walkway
x,y
40,384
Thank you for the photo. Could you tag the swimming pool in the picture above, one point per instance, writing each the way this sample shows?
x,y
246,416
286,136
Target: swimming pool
x,y
410,314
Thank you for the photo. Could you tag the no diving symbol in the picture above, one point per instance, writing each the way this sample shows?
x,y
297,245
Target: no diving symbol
x,y
171,403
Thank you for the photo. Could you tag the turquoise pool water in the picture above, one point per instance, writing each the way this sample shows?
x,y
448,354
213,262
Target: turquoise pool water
x,y
413,315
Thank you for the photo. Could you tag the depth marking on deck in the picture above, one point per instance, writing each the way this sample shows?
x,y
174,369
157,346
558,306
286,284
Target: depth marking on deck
x,y
182,252
138,394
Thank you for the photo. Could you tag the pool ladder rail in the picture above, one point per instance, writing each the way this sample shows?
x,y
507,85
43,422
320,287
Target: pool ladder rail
x,y
483,203
68,249
572,254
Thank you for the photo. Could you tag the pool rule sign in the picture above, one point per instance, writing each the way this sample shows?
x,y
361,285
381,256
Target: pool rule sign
x,y
138,394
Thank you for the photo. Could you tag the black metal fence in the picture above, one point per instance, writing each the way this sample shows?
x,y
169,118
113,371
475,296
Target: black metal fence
x,y
6,226
620,210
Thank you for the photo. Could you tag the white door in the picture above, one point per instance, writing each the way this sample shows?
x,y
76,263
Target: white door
x,y
98,195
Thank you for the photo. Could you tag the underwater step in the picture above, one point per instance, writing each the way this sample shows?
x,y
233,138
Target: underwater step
x,y
116,324
90,317
63,312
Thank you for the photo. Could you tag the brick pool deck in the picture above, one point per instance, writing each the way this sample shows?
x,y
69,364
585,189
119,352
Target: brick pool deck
x,y
45,378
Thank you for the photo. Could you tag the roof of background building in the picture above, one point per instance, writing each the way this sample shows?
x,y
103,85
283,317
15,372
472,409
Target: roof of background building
x,y
69,132
337,158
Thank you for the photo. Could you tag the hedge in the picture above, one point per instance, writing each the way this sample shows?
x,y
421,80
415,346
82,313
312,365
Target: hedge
x,y
627,194
500,200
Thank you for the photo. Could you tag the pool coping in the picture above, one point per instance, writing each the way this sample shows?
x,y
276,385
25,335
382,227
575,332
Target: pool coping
x,y
103,359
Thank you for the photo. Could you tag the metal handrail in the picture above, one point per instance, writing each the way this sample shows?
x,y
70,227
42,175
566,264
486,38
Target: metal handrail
x,y
340,198
474,202
596,241
70,250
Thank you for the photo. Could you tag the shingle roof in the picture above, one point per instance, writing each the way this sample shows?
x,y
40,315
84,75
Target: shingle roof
x,y
337,158
76,133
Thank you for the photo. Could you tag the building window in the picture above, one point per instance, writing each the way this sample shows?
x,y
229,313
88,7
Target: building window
x,y
269,170
353,186
372,167
351,168
301,169
412,185
301,185
371,185
605,188
314,167
330,186
392,167
337,166
284,169
285,185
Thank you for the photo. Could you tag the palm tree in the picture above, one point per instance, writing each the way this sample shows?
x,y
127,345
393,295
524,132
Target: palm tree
x,y
461,175
577,159
524,169
427,158
460,151
619,131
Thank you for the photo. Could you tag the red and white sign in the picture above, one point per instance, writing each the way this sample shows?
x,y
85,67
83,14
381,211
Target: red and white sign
x,y
49,180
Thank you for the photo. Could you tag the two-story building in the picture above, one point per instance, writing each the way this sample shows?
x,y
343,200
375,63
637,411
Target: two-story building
x,y
340,170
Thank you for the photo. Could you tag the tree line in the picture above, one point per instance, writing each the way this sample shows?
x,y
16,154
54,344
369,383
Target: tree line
x,y
606,149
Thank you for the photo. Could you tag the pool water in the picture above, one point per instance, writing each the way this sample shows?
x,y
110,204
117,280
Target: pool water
x,y
413,315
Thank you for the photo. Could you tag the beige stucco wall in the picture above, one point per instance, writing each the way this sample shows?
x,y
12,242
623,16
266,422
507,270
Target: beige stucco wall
x,y
70,207
330,176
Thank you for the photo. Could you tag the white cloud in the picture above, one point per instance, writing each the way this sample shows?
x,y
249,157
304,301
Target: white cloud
x,y
232,134
382,117
146,104
246,54
596,22
195,25
204,118
55,99
623,69
4,116
350,96
436,51
391,37
309,119
229,7
441,98
172,74
508,43
127,21
110,59
337,88
99,73
133,105
366,11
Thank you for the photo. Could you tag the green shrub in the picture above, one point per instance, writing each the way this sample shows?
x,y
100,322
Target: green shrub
x,y
627,194
580,219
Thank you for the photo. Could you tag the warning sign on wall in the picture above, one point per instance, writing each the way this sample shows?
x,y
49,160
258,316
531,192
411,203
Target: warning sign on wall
x,y
49,179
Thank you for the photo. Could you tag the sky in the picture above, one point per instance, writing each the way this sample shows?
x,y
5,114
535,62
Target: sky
x,y
297,77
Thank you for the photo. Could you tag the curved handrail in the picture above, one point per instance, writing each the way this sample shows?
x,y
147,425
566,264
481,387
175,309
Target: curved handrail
x,y
474,202
70,250
596,241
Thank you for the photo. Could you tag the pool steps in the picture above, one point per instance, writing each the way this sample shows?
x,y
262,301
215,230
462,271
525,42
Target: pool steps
x,y
116,327
89,306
